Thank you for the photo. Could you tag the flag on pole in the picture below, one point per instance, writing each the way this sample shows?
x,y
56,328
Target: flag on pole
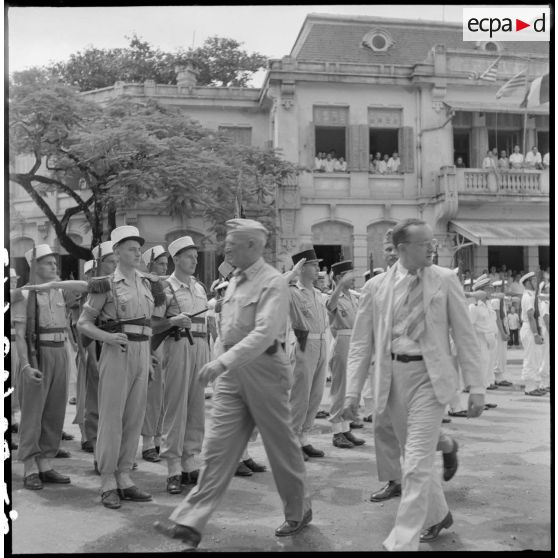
x,y
490,73
516,82
538,93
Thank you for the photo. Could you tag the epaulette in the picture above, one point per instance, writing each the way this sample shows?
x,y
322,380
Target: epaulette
x,y
98,285
157,289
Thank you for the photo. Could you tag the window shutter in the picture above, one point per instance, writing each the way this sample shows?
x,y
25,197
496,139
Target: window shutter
x,y
310,144
354,154
407,148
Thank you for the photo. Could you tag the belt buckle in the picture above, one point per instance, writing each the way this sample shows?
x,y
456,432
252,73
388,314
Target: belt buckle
x,y
58,337
403,358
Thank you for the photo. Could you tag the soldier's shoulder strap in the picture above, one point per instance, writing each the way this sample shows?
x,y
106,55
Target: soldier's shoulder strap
x,y
157,288
99,285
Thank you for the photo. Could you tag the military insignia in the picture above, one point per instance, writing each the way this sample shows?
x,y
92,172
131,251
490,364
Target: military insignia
x,y
343,313
306,312
123,307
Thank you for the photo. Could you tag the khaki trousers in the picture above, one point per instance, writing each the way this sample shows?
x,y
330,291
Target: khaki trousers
x,y
153,421
308,388
80,385
43,406
532,358
338,367
183,403
256,395
416,415
91,412
122,395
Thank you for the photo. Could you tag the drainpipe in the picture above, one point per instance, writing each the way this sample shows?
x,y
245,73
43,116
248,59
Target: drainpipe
x,y
418,121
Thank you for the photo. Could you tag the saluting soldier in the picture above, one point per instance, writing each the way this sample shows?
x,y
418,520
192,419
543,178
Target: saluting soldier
x,y
341,307
309,323
43,389
183,394
156,260
124,303
253,377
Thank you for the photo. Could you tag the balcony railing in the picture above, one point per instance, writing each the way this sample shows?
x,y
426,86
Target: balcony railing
x,y
503,182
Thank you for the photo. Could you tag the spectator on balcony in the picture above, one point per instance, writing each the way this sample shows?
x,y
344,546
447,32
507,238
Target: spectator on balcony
x,y
340,165
488,162
329,163
371,164
459,163
382,166
546,160
394,163
516,158
516,288
377,161
319,162
503,161
493,275
533,159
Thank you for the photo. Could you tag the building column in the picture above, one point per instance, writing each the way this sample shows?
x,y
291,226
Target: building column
x,y
360,257
481,259
479,140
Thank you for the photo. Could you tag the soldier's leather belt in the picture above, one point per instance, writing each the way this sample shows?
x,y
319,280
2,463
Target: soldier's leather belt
x,y
202,334
343,331
316,336
143,330
406,358
43,343
54,334
198,328
137,337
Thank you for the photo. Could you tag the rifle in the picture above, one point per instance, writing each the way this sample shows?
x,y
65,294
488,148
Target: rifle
x,y
32,324
158,338
151,260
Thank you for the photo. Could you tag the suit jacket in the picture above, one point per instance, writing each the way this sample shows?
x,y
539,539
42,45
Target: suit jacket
x,y
445,308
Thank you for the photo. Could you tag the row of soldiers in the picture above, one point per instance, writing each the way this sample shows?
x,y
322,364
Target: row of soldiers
x,y
144,346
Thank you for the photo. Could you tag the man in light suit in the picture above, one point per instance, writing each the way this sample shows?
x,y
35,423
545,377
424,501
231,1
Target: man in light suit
x,y
403,322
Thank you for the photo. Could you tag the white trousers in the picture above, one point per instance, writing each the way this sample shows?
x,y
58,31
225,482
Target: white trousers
x,y
532,358
501,358
416,415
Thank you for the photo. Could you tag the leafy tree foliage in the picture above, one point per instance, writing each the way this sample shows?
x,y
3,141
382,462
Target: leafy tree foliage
x,y
132,154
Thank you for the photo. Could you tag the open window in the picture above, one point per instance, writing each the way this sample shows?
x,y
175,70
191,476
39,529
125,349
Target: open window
x,y
328,132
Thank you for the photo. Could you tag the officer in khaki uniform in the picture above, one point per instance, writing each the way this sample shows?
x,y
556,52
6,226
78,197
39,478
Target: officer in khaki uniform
x,y
341,307
43,391
126,299
253,378
183,394
156,260
309,322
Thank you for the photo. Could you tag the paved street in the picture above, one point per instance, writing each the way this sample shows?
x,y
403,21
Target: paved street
x,y
499,498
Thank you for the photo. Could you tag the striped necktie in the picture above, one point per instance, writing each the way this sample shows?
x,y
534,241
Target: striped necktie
x,y
416,321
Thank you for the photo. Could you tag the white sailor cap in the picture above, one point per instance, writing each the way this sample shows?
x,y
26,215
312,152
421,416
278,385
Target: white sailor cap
x,y
481,282
13,272
88,266
245,225
126,232
527,276
181,244
41,251
157,251
104,247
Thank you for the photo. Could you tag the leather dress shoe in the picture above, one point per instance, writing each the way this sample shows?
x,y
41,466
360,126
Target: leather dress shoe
x,y
253,466
184,533
62,453
492,386
356,424
445,420
432,533
243,470
66,436
134,494
322,414
54,477
504,383
151,455
289,527
110,499
490,406
390,490
367,418
457,413
450,462
339,441
32,482
536,392
87,446
352,438
312,452
174,484
191,477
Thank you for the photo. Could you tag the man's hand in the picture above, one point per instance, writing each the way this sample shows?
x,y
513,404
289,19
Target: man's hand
x,y
33,375
350,409
116,339
154,360
346,280
182,320
475,405
298,267
210,371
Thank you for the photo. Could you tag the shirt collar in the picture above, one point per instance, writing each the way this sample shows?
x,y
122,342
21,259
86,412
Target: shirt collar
x,y
250,271
119,277
401,269
177,283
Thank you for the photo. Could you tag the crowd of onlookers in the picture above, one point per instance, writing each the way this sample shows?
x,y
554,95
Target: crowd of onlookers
x,y
378,164
533,160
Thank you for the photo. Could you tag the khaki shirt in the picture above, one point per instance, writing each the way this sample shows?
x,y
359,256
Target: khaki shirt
x,y
253,314
182,298
133,299
342,316
51,306
307,309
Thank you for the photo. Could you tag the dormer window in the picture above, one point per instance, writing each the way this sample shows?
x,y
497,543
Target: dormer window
x,y
377,40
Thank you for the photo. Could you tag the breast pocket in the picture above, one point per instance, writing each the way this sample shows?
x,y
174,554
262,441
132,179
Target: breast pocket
x,y
246,311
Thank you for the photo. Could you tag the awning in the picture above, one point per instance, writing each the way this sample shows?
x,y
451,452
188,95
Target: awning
x,y
504,233
482,106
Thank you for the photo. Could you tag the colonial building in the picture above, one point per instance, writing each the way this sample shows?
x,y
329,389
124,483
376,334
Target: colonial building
x,y
361,85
